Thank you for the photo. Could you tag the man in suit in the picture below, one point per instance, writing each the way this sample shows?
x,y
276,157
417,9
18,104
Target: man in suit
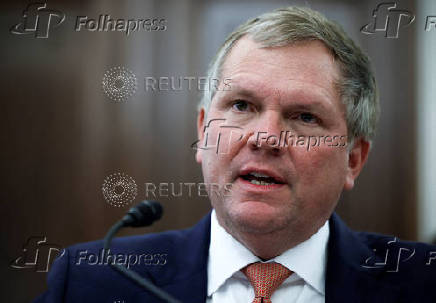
x,y
303,106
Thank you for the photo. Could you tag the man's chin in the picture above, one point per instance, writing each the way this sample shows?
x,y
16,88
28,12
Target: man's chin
x,y
257,218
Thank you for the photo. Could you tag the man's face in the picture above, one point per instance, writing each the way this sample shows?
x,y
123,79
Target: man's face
x,y
277,91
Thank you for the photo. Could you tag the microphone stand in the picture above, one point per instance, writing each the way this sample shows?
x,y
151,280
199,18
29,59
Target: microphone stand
x,y
130,274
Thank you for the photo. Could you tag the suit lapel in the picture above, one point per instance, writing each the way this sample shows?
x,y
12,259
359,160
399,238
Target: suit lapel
x,y
185,274
346,279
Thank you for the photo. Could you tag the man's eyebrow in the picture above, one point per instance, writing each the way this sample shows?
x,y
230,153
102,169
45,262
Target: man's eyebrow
x,y
316,106
301,98
242,91
245,90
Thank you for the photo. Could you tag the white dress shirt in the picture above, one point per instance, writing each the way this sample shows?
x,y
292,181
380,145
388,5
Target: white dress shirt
x,y
227,256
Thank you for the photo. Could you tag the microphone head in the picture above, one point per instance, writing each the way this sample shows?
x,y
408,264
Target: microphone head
x,y
143,214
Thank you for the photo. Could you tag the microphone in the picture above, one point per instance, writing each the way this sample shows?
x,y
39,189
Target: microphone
x,y
141,215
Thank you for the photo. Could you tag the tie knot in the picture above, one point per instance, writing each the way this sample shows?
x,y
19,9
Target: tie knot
x,y
265,277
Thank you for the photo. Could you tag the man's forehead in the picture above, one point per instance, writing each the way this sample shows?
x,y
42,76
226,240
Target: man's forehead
x,y
307,64
247,50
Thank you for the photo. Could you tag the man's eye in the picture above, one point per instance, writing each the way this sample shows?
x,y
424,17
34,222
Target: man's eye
x,y
240,105
308,118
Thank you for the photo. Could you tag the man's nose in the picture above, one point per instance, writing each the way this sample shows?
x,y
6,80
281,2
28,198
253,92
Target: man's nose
x,y
268,134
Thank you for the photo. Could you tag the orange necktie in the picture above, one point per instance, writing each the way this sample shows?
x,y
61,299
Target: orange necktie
x,y
265,278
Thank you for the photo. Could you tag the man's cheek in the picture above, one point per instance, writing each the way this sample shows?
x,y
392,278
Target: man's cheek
x,y
213,166
317,164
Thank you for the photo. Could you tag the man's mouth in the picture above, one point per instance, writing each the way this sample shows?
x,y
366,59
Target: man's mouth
x,y
258,178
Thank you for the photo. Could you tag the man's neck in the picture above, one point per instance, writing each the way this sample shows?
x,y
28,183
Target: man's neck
x,y
270,245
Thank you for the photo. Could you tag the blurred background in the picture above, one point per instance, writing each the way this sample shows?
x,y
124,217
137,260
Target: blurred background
x,y
62,136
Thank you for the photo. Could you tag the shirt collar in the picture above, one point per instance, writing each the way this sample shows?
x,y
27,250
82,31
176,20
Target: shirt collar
x,y
227,256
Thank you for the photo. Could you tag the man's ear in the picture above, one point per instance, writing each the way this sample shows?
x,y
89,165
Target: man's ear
x,y
356,160
200,134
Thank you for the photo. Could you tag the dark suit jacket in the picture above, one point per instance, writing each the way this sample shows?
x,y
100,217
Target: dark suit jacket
x,y
361,267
